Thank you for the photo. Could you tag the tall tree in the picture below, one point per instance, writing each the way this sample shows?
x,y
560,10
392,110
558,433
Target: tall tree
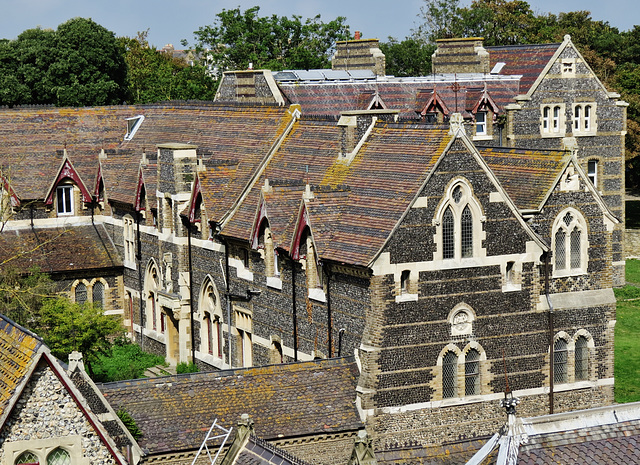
x,y
79,64
411,57
238,38
156,75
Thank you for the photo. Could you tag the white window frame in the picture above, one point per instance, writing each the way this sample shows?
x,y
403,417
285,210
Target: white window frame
x,y
552,120
129,242
593,165
560,225
481,123
65,198
133,124
584,119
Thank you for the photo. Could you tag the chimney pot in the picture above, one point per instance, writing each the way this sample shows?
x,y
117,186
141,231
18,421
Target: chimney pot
x,y
357,35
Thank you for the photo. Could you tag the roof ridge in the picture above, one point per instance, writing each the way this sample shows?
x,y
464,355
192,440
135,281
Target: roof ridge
x,y
305,364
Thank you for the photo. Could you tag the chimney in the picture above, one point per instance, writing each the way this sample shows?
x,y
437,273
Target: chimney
x,y
359,54
460,56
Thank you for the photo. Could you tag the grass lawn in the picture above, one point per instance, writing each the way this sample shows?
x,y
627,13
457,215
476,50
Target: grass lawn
x,y
627,344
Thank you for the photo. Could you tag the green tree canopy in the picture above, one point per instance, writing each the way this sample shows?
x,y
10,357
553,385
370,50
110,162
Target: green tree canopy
x,y
80,64
410,57
155,75
238,38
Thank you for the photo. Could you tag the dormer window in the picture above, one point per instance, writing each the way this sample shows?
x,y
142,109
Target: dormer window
x,y
64,201
481,123
132,126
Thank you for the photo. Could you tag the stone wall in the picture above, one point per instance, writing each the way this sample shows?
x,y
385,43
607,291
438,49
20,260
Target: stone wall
x,y
46,417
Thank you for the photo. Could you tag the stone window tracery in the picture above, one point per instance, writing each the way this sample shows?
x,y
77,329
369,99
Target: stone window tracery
x,y
570,243
26,458
211,327
58,456
458,221
552,120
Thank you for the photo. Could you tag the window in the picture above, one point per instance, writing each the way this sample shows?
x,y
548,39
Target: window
x,y
129,240
404,281
568,67
449,375
581,358
472,373
460,230
133,124
553,120
98,294
560,357
570,244
27,457
151,283
64,200
481,123
584,123
211,328
59,457
592,172
244,325
81,293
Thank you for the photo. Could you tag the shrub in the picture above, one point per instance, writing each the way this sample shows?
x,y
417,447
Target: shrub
x,y
187,368
125,360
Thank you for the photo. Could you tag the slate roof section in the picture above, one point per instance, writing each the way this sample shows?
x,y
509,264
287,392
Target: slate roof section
x,y
407,95
355,206
300,399
527,175
526,60
19,349
85,247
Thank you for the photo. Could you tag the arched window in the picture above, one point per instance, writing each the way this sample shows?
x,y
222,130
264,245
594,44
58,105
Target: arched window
x,y
581,357
560,358
58,456
449,375
98,294
211,327
570,243
151,283
27,457
81,293
459,222
472,373
129,239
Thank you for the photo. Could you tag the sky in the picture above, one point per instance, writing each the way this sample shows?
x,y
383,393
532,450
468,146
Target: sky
x,y
171,21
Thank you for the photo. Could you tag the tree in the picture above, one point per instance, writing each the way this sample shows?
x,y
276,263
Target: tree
x,y
79,64
66,326
155,75
410,57
237,39
22,294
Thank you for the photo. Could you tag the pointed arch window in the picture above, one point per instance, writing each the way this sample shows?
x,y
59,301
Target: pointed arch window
x,y
449,375
460,224
472,373
58,456
581,359
27,458
560,359
570,244
151,283
81,293
211,327
98,294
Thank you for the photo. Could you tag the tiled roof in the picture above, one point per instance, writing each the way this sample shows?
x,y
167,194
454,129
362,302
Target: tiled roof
x,y
526,60
70,249
356,205
526,175
18,349
407,95
299,399
120,176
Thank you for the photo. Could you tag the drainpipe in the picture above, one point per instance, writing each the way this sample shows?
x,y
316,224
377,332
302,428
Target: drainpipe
x,y
193,343
139,258
329,327
295,316
551,330
340,334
